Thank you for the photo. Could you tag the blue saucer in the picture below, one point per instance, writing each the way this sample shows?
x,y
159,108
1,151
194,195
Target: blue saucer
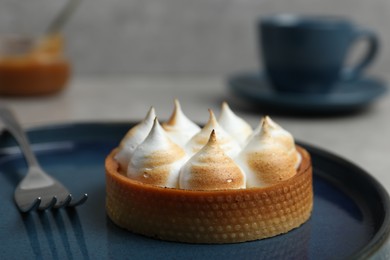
x,y
348,96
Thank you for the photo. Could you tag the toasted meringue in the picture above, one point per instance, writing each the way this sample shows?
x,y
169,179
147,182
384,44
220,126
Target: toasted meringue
x,y
157,160
133,138
197,209
270,157
211,169
284,138
227,143
179,128
234,125
254,132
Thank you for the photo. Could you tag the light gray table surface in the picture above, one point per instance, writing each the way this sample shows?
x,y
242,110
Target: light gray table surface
x,y
362,138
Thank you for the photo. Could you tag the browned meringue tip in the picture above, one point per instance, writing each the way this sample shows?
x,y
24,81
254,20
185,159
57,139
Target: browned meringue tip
x,y
172,119
265,126
267,120
212,117
151,110
213,138
268,124
224,105
271,122
177,103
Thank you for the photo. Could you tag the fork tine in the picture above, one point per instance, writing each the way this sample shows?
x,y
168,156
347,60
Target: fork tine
x,y
49,205
65,202
37,182
80,201
32,206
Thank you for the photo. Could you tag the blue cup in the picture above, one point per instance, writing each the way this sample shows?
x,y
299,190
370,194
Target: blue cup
x,y
307,54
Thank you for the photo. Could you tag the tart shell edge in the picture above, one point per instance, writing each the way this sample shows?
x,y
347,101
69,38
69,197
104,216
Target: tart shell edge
x,y
215,217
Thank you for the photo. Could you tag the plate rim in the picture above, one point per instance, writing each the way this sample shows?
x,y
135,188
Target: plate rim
x,y
383,232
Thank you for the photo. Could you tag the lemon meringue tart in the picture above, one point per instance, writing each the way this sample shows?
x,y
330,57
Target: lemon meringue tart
x,y
210,196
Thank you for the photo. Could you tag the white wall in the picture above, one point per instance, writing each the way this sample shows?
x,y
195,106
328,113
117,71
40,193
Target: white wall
x,y
178,36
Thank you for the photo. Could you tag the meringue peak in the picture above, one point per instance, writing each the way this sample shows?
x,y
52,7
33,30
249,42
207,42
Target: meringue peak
x,y
176,114
133,138
274,131
213,138
212,119
227,142
234,125
270,156
157,160
178,127
137,130
255,132
212,145
266,128
211,169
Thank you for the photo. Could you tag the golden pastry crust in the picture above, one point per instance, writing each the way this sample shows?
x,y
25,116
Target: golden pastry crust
x,y
223,216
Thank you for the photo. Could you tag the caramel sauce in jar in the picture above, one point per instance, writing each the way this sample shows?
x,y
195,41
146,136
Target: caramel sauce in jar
x,y
31,67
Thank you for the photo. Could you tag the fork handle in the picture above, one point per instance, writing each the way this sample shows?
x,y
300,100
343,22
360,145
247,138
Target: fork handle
x,y
13,126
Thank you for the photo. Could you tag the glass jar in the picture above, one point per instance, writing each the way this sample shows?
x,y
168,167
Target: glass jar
x,y
33,66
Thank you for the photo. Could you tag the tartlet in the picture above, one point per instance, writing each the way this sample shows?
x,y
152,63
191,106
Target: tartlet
x,y
210,216
222,216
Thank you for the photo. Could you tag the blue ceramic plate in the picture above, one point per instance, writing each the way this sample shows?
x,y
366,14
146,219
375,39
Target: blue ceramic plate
x,y
348,96
350,217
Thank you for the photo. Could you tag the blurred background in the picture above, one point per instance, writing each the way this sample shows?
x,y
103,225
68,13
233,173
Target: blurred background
x,y
202,37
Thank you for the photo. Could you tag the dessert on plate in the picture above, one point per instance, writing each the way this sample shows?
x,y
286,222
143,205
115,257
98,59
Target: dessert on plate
x,y
223,183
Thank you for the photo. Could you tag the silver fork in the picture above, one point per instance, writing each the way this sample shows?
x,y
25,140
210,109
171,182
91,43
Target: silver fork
x,y
37,190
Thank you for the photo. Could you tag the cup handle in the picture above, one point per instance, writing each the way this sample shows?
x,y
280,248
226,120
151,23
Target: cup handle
x,y
351,73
